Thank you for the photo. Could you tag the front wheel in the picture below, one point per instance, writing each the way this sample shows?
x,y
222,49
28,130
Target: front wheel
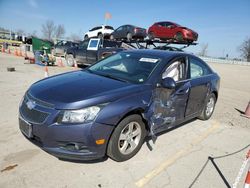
x,y
127,138
129,36
208,108
179,37
151,36
111,37
100,35
86,37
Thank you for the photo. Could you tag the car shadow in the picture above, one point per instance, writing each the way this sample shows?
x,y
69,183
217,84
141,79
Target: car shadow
x,y
85,162
241,112
154,138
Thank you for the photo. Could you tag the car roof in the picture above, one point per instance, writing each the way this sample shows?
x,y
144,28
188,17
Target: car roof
x,y
159,53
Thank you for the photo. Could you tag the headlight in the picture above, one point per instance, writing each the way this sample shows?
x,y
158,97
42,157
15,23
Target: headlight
x,y
80,116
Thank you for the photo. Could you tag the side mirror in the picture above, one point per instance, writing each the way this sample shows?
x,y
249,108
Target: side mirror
x,y
168,83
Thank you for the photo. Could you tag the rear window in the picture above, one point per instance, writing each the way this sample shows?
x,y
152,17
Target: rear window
x,y
109,27
111,44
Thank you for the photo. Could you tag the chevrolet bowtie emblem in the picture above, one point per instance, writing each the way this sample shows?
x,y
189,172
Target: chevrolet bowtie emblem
x,y
31,104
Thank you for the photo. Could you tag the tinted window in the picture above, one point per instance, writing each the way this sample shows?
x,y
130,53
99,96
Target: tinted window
x,y
198,68
109,44
161,24
109,27
95,28
84,44
120,28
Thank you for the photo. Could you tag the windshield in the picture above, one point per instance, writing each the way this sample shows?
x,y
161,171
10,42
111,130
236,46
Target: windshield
x,y
125,66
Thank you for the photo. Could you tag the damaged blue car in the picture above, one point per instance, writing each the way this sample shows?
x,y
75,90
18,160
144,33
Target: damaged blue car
x,y
110,107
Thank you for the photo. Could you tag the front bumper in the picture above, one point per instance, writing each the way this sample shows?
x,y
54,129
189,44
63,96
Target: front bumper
x,y
74,142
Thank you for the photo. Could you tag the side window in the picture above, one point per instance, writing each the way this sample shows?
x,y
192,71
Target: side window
x,y
161,24
119,29
84,44
176,70
168,24
198,68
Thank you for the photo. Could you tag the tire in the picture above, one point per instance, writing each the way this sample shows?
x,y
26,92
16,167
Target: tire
x,y
151,36
127,138
111,37
86,37
100,35
129,36
208,108
70,60
179,37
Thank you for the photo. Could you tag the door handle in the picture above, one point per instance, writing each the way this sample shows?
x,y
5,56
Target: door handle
x,y
182,91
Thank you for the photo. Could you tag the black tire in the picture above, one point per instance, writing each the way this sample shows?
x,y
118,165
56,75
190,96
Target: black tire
x,y
151,36
129,36
179,37
117,144
70,60
100,35
206,113
86,37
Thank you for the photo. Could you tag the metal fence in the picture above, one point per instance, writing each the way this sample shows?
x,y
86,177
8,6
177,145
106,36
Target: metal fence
x,y
224,61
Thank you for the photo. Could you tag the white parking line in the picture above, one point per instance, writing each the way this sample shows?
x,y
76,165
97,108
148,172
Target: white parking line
x,y
181,153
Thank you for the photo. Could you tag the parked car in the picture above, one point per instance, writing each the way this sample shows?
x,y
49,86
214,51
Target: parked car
x,y
61,47
129,32
91,50
99,31
170,30
109,107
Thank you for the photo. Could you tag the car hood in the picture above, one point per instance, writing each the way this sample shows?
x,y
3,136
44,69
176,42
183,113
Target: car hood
x,y
80,89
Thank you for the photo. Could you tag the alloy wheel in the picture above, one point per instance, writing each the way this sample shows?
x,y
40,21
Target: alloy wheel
x,y
129,138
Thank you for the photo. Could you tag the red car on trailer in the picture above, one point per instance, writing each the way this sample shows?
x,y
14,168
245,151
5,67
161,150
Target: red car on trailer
x,y
169,30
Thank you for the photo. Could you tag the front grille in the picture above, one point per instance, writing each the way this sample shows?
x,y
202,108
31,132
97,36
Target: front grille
x,y
39,102
30,114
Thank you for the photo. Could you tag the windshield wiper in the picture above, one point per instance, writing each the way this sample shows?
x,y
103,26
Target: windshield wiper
x,y
114,78
106,75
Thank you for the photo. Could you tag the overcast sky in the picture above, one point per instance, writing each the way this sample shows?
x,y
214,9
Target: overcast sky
x,y
223,24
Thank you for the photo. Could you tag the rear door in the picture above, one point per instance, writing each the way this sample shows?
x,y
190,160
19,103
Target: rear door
x,y
200,75
160,29
117,32
81,52
167,31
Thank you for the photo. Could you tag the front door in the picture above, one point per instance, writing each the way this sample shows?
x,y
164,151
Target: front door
x,y
167,107
81,51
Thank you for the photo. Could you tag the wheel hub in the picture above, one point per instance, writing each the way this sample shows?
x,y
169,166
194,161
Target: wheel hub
x,y
129,138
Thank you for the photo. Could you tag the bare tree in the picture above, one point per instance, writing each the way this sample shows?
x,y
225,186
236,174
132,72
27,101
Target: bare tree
x,y
34,33
75,37
204,47
59,32
48,30
20,32
245,49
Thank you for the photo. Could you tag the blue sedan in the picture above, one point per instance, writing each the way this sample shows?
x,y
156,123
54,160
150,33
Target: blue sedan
x,y
110,107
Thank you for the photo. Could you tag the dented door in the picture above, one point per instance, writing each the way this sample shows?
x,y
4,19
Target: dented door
x,y
167,107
